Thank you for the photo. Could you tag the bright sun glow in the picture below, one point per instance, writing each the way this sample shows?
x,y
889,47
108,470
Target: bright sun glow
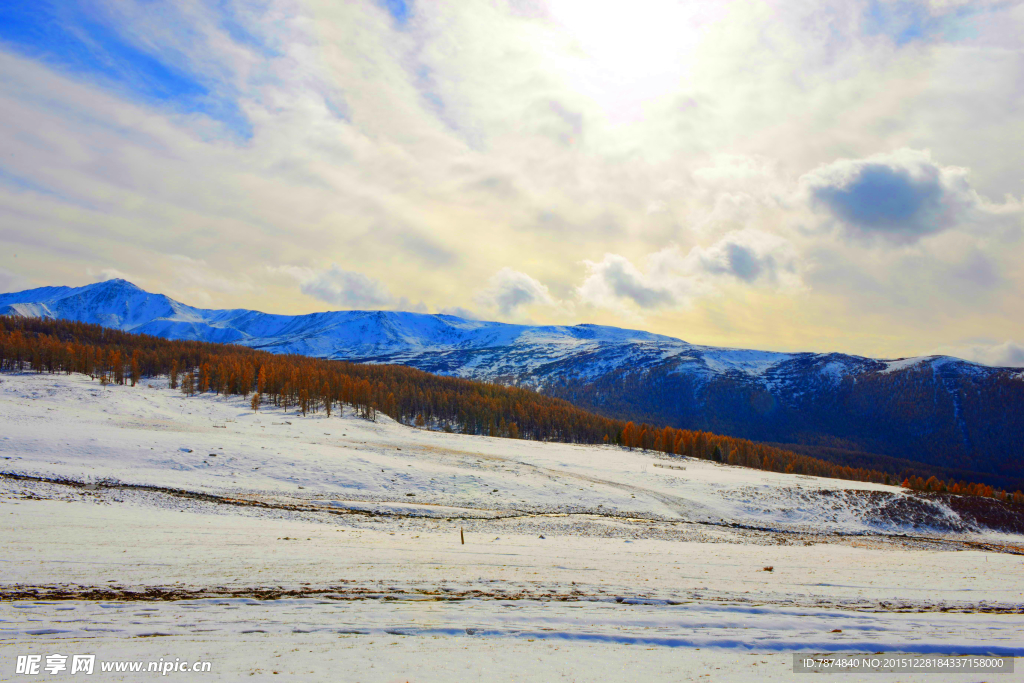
x,y
633,54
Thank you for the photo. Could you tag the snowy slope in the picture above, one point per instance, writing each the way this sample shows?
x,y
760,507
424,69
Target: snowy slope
x,y
71,427
272,542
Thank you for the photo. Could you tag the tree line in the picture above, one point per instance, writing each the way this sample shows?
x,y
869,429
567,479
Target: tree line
x,y
313,385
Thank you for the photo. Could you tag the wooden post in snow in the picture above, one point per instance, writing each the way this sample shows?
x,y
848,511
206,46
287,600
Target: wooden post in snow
x,y
462,536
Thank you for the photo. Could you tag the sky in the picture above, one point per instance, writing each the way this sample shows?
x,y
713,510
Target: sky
x,y
795,176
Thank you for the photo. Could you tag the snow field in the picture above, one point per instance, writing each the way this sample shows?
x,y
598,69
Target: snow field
x,y
71,427
134,545
587,563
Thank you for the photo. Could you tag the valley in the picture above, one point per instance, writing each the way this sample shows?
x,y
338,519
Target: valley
x,y
135,512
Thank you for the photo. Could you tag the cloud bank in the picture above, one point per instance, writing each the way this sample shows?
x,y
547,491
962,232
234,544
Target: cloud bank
x,y
746,258
509,290
900,196
339,287
1008,354
710,169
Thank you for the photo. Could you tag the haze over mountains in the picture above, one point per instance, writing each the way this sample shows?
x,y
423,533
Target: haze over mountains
x,y
960,418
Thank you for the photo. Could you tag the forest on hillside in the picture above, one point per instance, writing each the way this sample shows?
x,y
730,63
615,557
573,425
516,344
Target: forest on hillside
x,y
941,420
410,396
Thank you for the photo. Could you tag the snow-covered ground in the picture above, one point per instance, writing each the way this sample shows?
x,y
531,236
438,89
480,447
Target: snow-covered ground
x,y
334,545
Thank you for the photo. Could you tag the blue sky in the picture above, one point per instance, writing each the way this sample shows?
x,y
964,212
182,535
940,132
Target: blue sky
x,y
399,9
906,21
840,175
84,39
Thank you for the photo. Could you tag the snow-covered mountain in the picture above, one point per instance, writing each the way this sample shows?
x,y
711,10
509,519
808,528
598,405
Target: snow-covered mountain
x,y
443,344
936,409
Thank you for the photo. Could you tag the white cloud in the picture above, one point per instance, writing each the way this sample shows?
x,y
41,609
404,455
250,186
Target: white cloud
x,y
477,137
508,291
112,274
340,287
615,280
673,279
458,312
900,196
752,257
1007,354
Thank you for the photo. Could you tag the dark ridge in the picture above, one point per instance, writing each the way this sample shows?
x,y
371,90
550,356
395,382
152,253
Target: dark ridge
x,y
903,467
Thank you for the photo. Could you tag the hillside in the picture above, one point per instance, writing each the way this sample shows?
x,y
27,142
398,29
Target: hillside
x,y
937,411
137,514
964,418
405,394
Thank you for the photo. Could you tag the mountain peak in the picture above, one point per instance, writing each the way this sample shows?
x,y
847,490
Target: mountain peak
x,y
116,283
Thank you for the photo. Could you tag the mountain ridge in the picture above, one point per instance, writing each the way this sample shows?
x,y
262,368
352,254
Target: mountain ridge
x,y
938,410
377,331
